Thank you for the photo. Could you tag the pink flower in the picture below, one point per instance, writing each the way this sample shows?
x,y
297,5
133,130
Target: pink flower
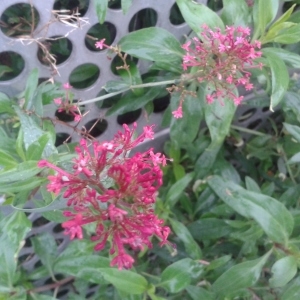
x,y
73,227
57,101
67,86
222,60
104,173
148,131
100,44
177,113
209,99
123,261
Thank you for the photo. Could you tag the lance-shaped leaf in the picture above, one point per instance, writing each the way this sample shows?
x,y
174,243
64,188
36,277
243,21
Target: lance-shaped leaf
x,y
272,216
280,78
241,276
196,15
154,44
283,271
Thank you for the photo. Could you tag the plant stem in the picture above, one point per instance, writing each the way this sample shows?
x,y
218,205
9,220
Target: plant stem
x,y
51,286
132,87
242,129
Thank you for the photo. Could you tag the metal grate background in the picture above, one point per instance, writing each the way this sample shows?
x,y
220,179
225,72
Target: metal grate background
x,y
81,54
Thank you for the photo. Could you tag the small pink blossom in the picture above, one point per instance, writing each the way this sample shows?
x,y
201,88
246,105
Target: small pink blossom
x,y
57,101
238,100
100,44
209,99
177,113
67,86
123,261
73,227
148,131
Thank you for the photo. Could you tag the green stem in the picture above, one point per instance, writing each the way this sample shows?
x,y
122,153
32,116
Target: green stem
x,y
242,129
132,87
288,167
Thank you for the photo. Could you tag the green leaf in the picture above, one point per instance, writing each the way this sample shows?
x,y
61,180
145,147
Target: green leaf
x,y
264,12
19,144
175,191
191,247
218,117
6,160
293,130
42,297
132,76
32,132
209,229
283,271
289,35
14,229
126,281
5,104
284,17
45,247
235,12
131,102
16,226
290,58
270,214
177,276
30,90
87,267
114,86
251,185
178,170
24,185
240,276
198,293
184,130
20,172
125,5
101,8
196,15
36,149
294,159
154,44
280,78
7,262
219,262
292,291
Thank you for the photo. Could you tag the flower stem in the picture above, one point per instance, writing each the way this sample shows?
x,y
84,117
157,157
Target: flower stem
x,y
132,87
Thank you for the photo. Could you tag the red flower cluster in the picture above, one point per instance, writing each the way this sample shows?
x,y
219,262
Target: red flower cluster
x,y
221,61
114,191
65,104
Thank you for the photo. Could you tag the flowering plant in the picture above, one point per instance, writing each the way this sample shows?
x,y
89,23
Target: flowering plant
x,y
213,215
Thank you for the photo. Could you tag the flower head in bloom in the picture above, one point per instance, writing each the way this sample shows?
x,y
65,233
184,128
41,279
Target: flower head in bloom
x,y
222,60
114,191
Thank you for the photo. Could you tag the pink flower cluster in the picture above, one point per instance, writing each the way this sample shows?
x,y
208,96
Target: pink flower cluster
x,y
115,192
66,105
221,60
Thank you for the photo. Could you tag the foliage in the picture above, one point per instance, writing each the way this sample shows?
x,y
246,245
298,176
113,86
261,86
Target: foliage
x,y
230,194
